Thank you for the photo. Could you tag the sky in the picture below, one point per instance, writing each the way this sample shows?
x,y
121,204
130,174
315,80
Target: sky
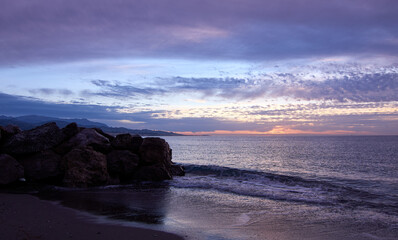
x,y
204,66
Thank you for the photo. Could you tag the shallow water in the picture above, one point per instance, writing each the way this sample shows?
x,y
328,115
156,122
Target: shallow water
x,y
256,187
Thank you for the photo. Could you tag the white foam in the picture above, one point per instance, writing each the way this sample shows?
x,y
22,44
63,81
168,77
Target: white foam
x,y
256,188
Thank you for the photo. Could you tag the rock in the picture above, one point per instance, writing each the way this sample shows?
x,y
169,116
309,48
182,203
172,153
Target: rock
x,y
35,140
82,157
86,137
155,150
108,136
8,131
70,130
45,165
177,170
84,168
113,180
12,129
10,169
156,172
122,164
127,142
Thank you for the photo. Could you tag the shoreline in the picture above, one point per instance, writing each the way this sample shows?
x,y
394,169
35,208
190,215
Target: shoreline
x,y
23,216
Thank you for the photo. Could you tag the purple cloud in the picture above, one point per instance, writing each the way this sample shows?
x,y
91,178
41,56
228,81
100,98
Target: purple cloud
x,y
48,30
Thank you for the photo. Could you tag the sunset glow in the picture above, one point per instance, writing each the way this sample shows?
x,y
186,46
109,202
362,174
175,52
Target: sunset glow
x,y
277,130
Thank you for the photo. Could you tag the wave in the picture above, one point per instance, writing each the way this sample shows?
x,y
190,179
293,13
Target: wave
x,y
279,187
265,185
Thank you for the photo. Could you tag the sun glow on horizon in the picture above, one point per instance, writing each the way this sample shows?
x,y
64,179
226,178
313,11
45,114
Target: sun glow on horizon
x,y
277,130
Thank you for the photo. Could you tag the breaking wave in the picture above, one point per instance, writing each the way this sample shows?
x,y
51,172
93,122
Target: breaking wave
x,y
279,187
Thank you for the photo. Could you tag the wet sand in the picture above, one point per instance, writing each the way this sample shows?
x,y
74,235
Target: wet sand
x,y
25,217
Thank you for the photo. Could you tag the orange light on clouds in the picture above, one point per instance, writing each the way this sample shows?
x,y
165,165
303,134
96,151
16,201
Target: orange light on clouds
x,y
277,130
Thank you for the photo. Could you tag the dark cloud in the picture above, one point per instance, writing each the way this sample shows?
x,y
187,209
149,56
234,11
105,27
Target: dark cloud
x,y
55,30
18,105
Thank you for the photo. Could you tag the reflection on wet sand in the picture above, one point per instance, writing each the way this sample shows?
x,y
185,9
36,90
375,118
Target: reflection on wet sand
x,y
135,203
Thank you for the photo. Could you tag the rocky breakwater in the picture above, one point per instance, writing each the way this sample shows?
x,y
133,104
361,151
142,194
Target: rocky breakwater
x,y
82,157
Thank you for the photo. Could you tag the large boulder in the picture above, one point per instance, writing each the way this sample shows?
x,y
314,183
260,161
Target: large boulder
x,y
108,136
35,140
87,137
70,130
155,150
127,142
9,131
122,164
84,168
10,169
45,165
157,172
177,170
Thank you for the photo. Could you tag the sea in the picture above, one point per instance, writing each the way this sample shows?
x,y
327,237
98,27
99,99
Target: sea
x,y
260,187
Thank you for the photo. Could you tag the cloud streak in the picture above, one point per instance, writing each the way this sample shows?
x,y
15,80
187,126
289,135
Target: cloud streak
x,y
51,91
119,90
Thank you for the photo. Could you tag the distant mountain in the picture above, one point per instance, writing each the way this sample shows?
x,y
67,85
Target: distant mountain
x,y
4,121
35,119
31,121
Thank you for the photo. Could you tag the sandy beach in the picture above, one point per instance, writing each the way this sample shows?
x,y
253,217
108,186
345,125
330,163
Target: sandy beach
x,y
25,217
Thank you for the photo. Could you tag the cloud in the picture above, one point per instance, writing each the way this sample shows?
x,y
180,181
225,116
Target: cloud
x,y
18,105
51,91
196,124
207,86
56,31
119,90
301,118
320,82
351,86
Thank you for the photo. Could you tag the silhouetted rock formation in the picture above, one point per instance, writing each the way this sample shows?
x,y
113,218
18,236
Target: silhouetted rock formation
x,y
122,164
44,165
82,157
8,131
85,167
10,169
127,142
34,140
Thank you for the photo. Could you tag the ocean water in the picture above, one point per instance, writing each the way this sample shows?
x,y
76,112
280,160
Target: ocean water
x,y
262,187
